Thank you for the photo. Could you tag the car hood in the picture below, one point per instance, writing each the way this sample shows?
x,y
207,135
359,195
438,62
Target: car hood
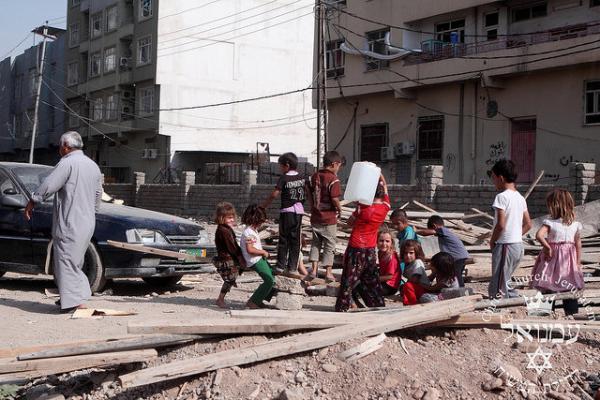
x,y
142,218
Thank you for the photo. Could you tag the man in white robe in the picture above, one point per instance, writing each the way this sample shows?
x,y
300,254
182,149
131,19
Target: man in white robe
x,y
76,182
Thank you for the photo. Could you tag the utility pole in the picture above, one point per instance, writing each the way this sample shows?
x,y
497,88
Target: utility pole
x,y
321,14
40,72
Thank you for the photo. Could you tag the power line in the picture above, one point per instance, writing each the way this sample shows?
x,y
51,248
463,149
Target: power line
x,y
189,9
16,47
222,18
230,31
344,11
237,36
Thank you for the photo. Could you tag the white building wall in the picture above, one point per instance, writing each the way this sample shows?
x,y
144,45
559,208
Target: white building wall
x,y
220,60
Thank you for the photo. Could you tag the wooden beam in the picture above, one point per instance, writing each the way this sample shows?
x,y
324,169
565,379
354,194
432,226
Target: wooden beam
x,y
158,252
534,184
19,371
134,343
295,344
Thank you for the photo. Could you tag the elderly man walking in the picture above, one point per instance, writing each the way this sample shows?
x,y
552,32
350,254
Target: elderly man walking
x,y
77,182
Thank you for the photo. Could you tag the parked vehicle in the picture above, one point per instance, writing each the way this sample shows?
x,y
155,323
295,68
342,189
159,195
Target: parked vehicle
x,y
25,246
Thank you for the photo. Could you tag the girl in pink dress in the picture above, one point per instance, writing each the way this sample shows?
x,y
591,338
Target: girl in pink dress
x,y
558,266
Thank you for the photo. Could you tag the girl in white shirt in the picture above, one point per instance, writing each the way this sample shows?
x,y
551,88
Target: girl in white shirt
x,y
558,266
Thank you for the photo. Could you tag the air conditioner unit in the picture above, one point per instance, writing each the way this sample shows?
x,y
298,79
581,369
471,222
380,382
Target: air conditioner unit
x,y
387,153
127,94
125,62
404,149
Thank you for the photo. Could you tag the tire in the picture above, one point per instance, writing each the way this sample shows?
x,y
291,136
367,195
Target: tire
x,y
93,269
162,280
2,273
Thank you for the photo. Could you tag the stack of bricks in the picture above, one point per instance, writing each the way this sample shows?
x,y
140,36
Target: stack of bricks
x,y
581,177
429,178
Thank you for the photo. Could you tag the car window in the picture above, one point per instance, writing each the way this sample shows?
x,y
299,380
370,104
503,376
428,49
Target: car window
x,y
5,182
32,177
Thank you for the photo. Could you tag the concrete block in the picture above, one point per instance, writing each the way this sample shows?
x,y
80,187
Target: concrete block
x,y
289,285
287,301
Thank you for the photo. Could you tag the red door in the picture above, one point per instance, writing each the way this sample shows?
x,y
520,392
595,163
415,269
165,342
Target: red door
x,y
522,148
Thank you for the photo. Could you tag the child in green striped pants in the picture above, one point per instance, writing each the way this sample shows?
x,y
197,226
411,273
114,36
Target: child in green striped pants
x,y
255,256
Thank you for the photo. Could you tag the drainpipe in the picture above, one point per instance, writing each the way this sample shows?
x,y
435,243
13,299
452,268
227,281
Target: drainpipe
x,y
461,127
474,133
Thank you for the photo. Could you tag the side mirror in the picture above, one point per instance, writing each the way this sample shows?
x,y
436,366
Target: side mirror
x,y
14,201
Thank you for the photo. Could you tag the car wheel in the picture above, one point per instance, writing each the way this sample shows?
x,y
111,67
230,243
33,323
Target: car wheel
x,y
93,269
162,280
2,273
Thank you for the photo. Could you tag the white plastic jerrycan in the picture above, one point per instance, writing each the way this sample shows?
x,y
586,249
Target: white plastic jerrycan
x,y
363,181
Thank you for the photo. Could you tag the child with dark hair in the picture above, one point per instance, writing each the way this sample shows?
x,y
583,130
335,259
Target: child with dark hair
x,y
449,243
324,199
412,254
511,222
406,232
292,188
255,256
229,260
442,272
360,275
389,263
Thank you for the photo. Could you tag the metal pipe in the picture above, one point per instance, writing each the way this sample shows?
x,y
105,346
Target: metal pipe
x,y
40,76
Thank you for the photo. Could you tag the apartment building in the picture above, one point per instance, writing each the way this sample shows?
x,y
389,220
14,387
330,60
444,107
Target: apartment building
x,y
464,83
137,69
18,94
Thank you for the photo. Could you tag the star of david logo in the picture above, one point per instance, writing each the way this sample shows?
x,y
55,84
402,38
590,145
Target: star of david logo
x,y
545,360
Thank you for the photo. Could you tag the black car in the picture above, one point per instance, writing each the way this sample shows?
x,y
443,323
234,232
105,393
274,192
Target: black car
x,y
25,245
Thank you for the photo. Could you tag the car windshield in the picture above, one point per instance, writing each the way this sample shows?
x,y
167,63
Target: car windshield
x,y
31,176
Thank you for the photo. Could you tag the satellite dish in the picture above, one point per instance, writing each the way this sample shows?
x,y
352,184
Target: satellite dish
x,y
492,109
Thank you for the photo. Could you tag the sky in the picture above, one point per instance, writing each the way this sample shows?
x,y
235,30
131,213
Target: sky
x,y
19,17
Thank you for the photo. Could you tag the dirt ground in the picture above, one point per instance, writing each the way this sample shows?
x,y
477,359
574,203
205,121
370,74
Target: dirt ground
x,y
440,364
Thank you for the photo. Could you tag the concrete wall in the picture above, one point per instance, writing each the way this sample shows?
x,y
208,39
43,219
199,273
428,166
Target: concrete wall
x,y
200,200
200,62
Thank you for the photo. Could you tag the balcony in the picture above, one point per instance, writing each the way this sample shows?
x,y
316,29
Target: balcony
x,y
435,50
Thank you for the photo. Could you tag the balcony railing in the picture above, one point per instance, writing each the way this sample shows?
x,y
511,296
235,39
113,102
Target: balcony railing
x,y
435,50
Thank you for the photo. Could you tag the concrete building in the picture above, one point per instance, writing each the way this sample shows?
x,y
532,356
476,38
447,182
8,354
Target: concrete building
x,y
129,63
18,93
464,83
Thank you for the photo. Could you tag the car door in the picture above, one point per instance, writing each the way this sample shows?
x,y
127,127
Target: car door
x,y
15,230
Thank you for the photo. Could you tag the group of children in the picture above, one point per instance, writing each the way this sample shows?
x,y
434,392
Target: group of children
x,y
374,264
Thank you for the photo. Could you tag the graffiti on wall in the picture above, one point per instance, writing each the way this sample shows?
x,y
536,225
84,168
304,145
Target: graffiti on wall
x,y
565,160
497,152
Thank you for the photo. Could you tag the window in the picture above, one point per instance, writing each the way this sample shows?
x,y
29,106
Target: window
x,y
146,105
594,3
451,31
73,73
111,18
491,25
592,102
529,12
110,59
28,122
73,115
97,107
18,87
145,9
372,139
431,138
111,107
73,35
96,25
75,3
377,42
144,51
335,59
33,80
95,64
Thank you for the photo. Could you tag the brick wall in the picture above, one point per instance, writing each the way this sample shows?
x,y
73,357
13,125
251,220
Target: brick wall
x,y
200,200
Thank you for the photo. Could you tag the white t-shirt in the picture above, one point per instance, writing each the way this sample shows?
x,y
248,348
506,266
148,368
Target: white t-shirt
x,y
560,232
250,236
514,206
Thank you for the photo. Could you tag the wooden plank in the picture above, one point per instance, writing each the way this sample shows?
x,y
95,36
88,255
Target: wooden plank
x,y
134,343
534,184
159,252
294,344
362,350
14,352
18,371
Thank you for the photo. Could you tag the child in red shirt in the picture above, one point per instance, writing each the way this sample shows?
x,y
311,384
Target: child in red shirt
x,y
360,275
389,263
